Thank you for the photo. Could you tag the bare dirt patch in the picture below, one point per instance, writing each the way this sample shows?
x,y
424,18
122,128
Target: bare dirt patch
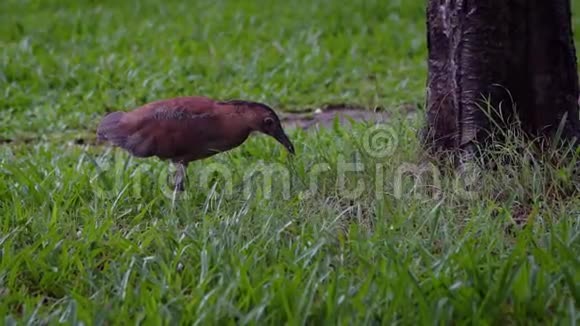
x,y
324,117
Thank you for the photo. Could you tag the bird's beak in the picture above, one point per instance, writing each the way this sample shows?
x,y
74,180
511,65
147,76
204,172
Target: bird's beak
x,y
283,139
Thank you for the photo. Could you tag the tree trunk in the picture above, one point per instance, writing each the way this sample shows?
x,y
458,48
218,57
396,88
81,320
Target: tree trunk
x,y
517,54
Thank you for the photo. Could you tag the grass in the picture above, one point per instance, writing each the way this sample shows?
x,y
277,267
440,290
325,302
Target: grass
x,y
118,54
88,234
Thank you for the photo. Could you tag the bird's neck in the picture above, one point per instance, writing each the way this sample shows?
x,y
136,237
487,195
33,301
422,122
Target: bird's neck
x,y
241,118
235,123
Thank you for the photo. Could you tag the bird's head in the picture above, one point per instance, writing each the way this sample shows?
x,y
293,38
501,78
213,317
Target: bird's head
x,y
263,119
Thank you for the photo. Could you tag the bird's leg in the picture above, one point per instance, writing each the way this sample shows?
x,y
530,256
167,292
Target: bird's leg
x,y
179,178
180,175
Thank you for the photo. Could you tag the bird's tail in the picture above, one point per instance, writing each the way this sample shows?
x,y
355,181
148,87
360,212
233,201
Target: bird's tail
x,y
110,130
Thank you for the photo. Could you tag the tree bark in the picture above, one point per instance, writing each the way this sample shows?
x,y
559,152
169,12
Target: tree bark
x,y
518,55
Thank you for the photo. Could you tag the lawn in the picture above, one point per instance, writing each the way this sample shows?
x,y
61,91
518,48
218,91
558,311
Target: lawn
x,y
89,234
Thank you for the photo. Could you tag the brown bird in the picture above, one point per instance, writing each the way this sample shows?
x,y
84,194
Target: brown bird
x,y
186,129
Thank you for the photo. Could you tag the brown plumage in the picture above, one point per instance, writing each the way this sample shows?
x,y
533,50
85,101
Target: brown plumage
x,y
186,129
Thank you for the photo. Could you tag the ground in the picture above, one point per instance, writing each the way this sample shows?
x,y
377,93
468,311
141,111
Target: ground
x,y
89,234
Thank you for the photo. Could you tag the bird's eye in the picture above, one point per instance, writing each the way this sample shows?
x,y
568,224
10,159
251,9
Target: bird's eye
x,y
268,121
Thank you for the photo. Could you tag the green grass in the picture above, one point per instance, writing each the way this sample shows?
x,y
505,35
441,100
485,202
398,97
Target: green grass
x,y
90,235
81,59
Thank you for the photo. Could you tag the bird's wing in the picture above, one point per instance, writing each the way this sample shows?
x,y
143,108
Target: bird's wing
x,y
190,104
170,128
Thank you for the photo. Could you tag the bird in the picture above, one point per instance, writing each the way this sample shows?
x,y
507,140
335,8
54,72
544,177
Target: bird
x,y
189,128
